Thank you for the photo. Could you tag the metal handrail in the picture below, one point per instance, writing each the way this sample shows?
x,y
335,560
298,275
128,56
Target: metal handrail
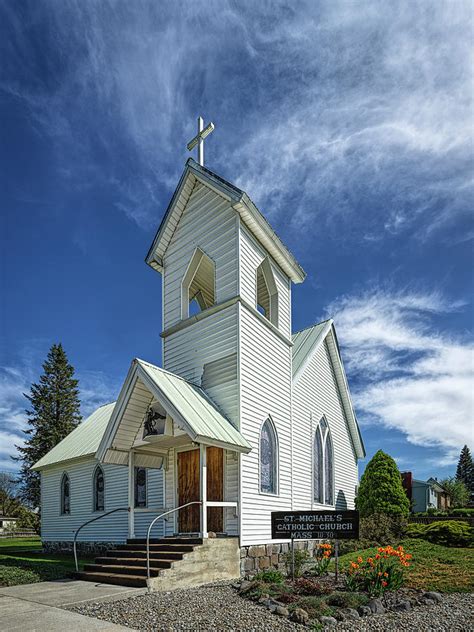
x,y
194,502
88,522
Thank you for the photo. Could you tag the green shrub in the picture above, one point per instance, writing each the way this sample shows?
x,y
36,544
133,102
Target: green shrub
x,y
449,533
416,530
380,489
464,512
270,576
347,599
301,556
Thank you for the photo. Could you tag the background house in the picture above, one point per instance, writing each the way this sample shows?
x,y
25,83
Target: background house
x,y
424,495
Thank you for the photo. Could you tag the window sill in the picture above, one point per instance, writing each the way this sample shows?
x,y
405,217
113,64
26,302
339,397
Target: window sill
x,y
272,495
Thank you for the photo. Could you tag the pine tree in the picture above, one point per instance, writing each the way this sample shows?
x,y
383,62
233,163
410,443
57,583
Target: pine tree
x,y
380,489
465,470
55,412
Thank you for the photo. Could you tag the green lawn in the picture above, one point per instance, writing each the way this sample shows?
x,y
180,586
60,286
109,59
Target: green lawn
x,y
21,562
433,567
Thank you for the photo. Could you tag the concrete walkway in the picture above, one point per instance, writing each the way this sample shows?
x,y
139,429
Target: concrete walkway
x,y
38,607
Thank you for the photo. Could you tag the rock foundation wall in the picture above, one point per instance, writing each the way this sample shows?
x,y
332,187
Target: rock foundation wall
x,y
262,556
83,548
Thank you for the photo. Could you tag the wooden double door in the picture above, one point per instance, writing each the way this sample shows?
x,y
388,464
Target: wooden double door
x,y
189,489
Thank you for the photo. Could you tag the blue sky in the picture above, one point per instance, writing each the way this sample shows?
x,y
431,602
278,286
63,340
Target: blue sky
x,y
349,124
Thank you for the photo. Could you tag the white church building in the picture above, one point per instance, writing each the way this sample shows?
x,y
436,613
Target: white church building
x,y
244,418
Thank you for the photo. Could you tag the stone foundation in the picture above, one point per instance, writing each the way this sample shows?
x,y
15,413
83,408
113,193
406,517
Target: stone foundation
x,y
262,556
83,548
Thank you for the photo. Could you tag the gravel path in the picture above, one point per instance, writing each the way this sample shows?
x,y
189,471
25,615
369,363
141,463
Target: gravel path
x,y
214,607
218,607
454,613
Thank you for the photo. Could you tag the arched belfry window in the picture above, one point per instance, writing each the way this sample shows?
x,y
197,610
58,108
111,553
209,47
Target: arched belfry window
x,y
267,294
198,285
323,465
268,458
65,495
99,489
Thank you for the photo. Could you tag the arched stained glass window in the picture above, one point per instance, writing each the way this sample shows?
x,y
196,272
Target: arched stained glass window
x,y
323,465
99,490
268,459
65,495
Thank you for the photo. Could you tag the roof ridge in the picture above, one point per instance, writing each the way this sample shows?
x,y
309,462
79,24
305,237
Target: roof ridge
x,y
300,331
160,368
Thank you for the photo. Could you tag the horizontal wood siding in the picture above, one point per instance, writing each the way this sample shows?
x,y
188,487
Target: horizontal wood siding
x,y
114,528
252,255
210,223
316,394
265,378
211,339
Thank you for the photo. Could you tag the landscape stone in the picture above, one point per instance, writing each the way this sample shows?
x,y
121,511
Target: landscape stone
x,y
350,613
434,596
328,621
300,616
402,606
365,611
376,606
282,611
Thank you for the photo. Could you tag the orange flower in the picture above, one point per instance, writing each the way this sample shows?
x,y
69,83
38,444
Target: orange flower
x,y
384,584
360,560
377,557
385,574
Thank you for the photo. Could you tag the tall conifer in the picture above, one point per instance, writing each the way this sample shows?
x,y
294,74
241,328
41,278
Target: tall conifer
x,y
465,470
54,413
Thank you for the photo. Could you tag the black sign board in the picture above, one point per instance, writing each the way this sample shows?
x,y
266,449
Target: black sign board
x,y
315,525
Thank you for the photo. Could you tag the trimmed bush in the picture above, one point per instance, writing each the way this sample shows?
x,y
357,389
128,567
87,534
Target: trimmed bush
x,y
444,532
380,489
465,512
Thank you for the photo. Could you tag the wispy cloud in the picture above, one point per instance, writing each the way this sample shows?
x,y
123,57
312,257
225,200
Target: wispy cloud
x,y
409,376
322,109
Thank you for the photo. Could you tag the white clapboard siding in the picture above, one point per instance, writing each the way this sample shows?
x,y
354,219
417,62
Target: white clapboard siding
x,y
209,340
231,491
265,380
113,528
208,222
316,394
251,256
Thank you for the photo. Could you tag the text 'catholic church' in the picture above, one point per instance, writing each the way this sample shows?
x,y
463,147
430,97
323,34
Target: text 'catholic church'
x,y
243,419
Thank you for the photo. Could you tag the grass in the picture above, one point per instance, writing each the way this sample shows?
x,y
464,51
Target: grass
x,y
22,562
433,567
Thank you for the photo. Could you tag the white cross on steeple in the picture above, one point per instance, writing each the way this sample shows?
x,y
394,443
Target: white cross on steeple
x,y
199,139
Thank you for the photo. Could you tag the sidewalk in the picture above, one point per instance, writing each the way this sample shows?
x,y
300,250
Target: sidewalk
x,y
38,607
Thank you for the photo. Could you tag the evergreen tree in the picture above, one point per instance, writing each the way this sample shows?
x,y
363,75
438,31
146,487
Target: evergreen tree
x,y
380,489
465,470
54,414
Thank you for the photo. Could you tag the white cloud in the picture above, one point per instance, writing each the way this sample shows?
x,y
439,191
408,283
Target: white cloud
x,y
408,375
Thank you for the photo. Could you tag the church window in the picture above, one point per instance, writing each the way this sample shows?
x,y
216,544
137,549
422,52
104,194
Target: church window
x,y
267,294
198,285
99,489
65,495
323,465
140,487
268,458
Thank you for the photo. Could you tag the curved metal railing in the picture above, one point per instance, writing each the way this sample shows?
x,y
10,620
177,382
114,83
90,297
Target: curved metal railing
x,y
194,502
88,522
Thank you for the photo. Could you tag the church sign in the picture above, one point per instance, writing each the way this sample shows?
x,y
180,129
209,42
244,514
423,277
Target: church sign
x,y
315,525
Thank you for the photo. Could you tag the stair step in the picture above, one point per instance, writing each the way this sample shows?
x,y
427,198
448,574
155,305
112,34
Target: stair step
x,y
134,561
177,548
121,570
177,540
135,581
156,555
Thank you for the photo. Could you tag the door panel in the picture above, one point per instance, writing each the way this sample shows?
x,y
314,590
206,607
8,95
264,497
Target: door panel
x,y
188,490
215,488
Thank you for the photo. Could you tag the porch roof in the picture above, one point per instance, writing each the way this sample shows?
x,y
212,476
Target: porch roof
x,y
188,405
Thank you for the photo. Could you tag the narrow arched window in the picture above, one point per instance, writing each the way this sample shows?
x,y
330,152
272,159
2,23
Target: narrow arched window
x,y
268,459
323,465
99,489
65,495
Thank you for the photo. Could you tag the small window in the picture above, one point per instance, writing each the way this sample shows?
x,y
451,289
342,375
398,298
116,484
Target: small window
x,y
99,490
140,487
65,495
198,285
323,465
268,459
267,295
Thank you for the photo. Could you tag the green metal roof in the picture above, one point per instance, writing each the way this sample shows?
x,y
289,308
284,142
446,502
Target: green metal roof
x,y
203,419
304,342
82,441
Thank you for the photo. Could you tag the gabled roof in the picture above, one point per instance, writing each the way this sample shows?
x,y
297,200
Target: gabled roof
x,y
82,441
305,344
240,202
188,405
